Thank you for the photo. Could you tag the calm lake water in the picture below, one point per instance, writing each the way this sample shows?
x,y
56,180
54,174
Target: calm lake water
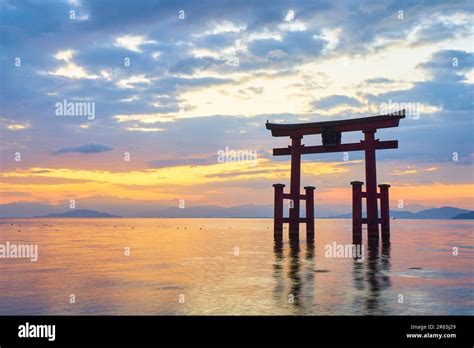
x,y
233,267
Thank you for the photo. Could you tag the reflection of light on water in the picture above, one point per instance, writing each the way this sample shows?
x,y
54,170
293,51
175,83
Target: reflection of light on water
x,y
412,273
195,258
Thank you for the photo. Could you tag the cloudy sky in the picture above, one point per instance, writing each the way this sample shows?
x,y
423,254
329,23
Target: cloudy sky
x,y
172,83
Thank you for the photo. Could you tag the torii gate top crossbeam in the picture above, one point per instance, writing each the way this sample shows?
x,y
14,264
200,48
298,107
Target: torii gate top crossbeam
x,y
349,125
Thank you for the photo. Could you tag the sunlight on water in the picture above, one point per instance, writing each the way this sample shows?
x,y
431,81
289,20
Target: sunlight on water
x,y
232,266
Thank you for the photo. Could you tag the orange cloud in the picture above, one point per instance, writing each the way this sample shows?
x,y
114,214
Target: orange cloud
x,y
189,182
221,183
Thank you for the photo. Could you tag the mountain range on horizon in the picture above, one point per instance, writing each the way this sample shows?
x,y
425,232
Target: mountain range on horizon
x,y
79,213
246,211
433,213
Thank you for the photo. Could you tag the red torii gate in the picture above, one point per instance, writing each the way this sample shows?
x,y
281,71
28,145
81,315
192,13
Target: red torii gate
x,y
331,142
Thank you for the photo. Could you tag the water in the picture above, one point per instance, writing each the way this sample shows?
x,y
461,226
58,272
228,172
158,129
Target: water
x,y
192,267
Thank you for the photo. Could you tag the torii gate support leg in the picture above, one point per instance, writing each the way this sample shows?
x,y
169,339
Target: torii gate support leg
x,y
295,182
385,211
371,184
278,210
357,211
309,193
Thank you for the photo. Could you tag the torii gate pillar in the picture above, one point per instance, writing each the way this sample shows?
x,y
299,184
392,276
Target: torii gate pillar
x,y
371,184
295,183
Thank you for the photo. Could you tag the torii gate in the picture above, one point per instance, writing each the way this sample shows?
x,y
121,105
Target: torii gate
x,y
331,142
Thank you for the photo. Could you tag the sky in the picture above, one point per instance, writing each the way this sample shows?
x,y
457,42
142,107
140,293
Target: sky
x,y
159,88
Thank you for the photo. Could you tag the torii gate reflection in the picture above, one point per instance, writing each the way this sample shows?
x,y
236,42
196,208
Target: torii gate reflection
x,y
331,142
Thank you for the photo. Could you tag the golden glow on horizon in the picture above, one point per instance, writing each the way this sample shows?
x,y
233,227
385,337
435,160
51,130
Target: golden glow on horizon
x,y
455,195
158,183
49,185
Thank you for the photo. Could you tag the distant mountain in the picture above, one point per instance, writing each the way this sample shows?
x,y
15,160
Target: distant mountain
x,y
465,216
434,213
141,210
79,213
440,213
26,210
